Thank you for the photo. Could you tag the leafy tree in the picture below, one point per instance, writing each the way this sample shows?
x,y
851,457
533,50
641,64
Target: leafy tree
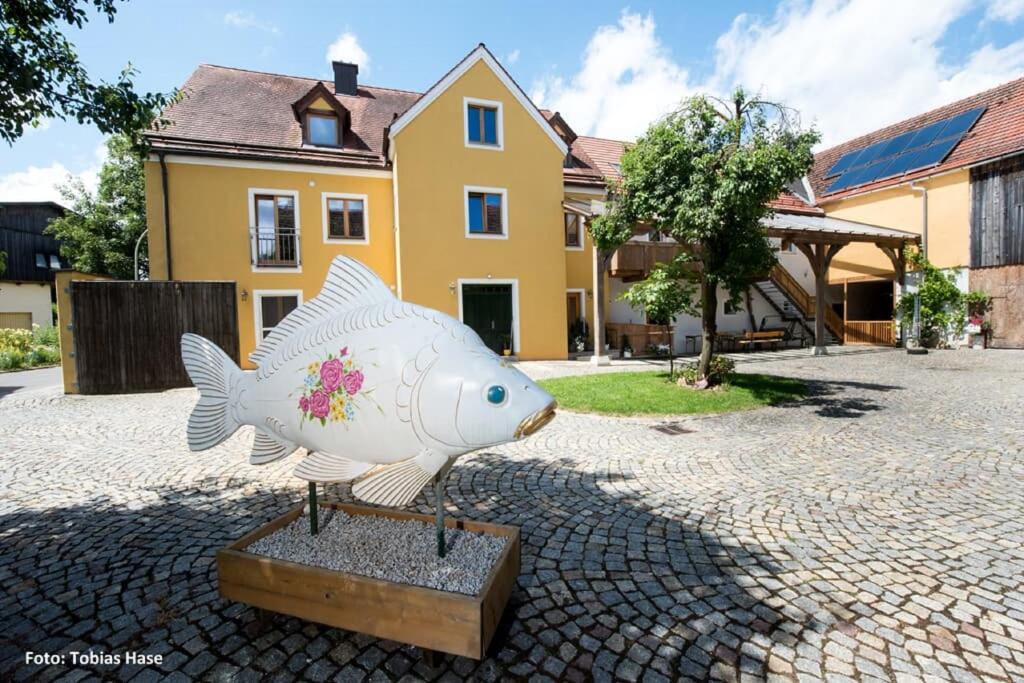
x,y
943,305
608,232
3,262
99,234
704,175
664,295
41,76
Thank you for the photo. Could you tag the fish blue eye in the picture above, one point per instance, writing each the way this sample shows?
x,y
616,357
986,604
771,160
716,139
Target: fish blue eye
x,y
496,394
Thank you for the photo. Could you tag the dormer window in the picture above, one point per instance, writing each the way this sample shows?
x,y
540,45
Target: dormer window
x,y
322,129
483,124
322,118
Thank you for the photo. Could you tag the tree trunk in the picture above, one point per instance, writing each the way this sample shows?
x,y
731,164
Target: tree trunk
x,y
671,351
709,325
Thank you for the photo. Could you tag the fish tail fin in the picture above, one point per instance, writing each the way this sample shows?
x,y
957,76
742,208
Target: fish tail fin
x,y
212,372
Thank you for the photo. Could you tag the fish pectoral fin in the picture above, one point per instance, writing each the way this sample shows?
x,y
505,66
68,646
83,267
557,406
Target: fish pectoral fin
x,y
329,467
396,485
267,447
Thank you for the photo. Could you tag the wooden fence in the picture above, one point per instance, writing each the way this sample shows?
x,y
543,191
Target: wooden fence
x,y
126,336
873,332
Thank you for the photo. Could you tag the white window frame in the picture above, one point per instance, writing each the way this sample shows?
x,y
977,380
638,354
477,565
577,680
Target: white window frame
x,y
294,194
583,231
257,306
504,211
324,197
516,339
499,123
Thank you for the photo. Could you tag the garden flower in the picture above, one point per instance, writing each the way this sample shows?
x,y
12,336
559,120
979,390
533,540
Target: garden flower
x,y
304,404
330,375
353,381
319,404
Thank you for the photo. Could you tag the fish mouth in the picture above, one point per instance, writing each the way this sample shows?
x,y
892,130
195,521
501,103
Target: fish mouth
x,y
535,422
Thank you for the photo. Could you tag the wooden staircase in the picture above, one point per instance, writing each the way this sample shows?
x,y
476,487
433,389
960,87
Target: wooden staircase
x,y
800,302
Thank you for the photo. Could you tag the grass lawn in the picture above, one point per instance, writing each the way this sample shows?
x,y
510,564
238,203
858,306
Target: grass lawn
x,y
650,393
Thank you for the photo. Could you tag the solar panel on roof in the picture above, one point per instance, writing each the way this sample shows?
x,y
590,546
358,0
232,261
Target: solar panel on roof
x,y
961,123
846,161
908,151
926,136
933,154
896,145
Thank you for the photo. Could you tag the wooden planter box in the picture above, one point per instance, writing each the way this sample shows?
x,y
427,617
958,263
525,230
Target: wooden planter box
x,y
431,619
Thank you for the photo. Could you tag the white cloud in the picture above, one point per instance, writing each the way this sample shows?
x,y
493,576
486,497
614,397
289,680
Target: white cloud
x,y
41,183
1005,10
627,80
347,49
835,61
248,20
512,57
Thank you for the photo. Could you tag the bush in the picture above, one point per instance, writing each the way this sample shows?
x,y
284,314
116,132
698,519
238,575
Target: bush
x,y
15,340
45,336
43,355
12,360
28,348
718,371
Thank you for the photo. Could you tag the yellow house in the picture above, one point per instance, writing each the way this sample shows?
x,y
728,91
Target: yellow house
x,y
955,176
456,197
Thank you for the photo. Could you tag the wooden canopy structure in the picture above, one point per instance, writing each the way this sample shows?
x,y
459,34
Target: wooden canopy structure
x,y
820,238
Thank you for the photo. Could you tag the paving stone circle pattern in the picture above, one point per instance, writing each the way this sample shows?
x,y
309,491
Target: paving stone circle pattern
x,y
872,532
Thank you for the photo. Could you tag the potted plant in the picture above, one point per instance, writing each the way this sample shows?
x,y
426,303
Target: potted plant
x,y
627,348
507,346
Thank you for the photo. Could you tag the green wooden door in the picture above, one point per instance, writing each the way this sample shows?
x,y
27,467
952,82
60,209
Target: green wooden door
x,y
488,310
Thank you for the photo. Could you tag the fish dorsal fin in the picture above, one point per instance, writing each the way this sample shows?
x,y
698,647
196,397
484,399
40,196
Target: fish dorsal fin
x,y
349,285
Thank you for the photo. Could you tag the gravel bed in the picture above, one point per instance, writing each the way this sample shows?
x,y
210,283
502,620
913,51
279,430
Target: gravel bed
x,y
389,549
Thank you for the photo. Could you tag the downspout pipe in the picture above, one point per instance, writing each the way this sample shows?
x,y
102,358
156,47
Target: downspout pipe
x,y
167,214
924,216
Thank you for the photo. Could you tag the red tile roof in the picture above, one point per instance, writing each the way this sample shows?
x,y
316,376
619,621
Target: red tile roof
x,y
999,131
248,114
788,202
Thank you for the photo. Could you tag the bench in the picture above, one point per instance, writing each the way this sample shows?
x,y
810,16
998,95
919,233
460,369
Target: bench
x,y
751,339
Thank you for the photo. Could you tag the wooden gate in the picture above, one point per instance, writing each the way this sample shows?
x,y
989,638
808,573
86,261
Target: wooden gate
x,y
127,335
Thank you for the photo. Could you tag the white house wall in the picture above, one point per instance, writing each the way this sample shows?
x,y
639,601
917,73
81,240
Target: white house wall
x,y
621,312
27,297
796,263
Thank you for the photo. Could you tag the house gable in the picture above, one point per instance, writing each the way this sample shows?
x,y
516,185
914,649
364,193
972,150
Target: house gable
x,y
479,55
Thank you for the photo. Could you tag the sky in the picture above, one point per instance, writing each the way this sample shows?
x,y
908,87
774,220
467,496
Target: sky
x,y
848,66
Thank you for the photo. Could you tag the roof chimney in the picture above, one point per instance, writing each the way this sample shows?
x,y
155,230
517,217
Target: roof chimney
x,y
346,78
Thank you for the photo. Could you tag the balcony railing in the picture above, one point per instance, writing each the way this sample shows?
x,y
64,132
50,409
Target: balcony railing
x,y
635,260
274,247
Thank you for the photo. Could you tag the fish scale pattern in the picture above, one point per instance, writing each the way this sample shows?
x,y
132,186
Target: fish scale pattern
x,y
871,532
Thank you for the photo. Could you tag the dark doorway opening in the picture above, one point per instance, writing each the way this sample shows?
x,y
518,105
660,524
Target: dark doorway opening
x,y
488,310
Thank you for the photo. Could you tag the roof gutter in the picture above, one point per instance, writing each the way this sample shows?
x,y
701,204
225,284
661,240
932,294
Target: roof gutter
x,y
167,214
924,215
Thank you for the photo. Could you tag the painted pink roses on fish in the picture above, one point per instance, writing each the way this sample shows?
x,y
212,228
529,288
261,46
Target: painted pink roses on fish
x,y
319,404
353,382
331,388
331,372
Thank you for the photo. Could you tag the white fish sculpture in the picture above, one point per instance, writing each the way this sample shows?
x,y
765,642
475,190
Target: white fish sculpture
x,y
379,391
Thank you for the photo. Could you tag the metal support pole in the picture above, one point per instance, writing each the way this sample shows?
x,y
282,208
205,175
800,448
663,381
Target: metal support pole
x,y
439,505
314,522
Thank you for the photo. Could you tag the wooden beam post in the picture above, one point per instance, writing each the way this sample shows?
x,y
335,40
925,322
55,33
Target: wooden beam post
x,y
820,255
599,357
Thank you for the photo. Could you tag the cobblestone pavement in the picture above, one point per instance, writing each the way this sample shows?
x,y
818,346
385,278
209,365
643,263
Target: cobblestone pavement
x,y
871,532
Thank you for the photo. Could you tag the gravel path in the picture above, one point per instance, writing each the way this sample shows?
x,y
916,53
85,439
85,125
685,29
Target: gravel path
x,y
388,549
